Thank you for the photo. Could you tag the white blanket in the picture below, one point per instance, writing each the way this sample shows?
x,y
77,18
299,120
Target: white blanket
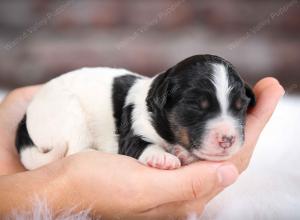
x,y
2,94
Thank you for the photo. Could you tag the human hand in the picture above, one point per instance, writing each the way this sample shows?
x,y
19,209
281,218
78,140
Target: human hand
x,y
116,186
268,92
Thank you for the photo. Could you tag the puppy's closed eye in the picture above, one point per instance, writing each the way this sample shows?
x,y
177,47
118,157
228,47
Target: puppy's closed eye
x,y
239,103
204,103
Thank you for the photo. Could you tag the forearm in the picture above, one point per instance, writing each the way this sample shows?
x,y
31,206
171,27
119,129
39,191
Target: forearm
x,y
18,192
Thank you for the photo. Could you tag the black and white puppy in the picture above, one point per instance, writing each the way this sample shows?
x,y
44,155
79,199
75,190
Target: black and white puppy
x,y
194,110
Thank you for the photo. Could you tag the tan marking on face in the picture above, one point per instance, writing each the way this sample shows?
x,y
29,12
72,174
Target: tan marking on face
x,y
183,136
181,133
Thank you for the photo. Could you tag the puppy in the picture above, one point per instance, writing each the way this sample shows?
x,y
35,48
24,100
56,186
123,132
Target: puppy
x,y
194,110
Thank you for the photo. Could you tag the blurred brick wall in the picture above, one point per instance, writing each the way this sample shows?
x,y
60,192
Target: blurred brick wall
x,y
40,39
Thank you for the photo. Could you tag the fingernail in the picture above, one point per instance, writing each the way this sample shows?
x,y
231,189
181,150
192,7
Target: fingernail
x,y
227,175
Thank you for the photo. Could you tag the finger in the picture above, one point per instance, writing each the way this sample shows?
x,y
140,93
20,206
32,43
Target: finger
x,y
13,108
174,210
187,183
268,92
179,210
21,95
262,84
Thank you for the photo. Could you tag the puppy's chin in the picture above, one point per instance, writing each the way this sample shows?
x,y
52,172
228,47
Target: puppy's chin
x,y
213,156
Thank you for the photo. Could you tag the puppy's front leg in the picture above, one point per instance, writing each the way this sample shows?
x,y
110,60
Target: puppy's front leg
x,y
155,156
146,152
184,156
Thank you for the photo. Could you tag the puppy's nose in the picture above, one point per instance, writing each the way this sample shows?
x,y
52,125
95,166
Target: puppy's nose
x,y
226,141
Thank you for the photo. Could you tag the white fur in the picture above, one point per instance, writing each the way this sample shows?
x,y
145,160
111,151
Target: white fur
x,y
221,83
73,111
221,125
41,211
32,157
141,119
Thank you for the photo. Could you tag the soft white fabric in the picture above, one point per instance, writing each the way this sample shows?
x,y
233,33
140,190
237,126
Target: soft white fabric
x,y
41,211
2,94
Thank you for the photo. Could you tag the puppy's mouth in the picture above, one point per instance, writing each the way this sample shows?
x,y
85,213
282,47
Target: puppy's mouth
x,y
212,156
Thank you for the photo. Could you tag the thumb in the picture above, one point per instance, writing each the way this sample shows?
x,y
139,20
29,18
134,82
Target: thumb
x,y
190,182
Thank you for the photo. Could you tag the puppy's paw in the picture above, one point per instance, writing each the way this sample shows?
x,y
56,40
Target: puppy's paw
x,y
154,156
184,156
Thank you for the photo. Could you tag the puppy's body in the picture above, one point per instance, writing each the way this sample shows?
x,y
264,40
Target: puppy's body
x,y
190,110
75,112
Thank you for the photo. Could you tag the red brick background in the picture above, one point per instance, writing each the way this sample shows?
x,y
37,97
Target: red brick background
x,y
40,39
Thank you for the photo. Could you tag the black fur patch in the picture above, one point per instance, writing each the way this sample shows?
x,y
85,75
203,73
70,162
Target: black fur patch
x,y
23,139
120,88
156,100
129,143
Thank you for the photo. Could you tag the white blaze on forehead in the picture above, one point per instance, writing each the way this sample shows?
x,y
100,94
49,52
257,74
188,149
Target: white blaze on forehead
x,y
221,83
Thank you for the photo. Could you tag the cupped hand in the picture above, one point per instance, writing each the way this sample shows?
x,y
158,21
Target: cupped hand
x,y
117,186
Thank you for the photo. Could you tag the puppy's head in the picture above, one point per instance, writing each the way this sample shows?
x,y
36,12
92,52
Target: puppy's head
x,y
201,104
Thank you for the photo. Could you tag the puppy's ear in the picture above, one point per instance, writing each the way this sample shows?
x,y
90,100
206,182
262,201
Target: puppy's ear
x,y
159,91
250,94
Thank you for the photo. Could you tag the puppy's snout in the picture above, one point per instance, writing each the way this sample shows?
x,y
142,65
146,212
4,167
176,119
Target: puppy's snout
x,y
226,141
